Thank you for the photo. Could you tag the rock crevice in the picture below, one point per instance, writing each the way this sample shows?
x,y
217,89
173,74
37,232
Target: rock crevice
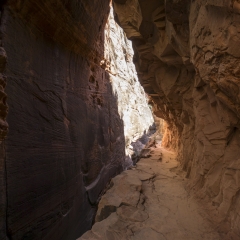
x,y
66,127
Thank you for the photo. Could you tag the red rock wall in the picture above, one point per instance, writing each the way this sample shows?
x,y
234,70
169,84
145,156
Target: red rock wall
x,y
66,137
187,56
3,130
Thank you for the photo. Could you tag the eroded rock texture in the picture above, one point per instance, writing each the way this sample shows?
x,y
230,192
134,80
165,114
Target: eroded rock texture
x,y
187,57
3,130
66,137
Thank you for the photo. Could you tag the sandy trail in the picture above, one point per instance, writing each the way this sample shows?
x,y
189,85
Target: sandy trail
x,y
150,202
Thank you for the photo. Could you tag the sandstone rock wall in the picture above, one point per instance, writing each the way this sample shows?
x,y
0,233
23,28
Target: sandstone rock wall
x,y
66,138
66,115
3,130
132,102
187,58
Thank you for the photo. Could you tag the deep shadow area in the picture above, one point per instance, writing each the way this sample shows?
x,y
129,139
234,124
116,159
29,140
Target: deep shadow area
x,y
66,138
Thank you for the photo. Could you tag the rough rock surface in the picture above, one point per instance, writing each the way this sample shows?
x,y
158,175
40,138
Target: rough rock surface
x,y
66,133
3,131
187,57
132,104
150,202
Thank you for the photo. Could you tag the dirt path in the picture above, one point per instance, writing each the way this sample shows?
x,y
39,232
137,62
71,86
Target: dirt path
x,y
149,202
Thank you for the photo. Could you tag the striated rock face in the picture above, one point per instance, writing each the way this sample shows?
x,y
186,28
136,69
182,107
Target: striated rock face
x,y
73,115
3,131
132,103
187,57
66,115
66,137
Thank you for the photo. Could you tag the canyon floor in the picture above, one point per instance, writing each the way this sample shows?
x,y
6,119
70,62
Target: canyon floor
x,y
150,202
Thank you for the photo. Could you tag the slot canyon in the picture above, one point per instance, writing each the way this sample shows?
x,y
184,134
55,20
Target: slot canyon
x,y
119,119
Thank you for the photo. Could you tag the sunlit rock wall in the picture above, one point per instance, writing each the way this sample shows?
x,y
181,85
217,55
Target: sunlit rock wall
x,y
132,101
187,58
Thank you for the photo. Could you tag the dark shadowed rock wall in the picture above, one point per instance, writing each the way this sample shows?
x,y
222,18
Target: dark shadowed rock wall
x,y
187,57
3,130
66,137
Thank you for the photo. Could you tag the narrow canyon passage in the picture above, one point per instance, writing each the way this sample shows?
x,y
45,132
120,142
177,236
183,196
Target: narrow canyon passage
x,y
150,201
84,85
